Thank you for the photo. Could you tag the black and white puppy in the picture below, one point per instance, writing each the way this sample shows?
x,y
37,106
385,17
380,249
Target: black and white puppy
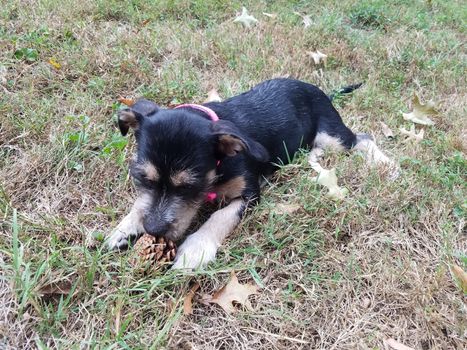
x,y
222,150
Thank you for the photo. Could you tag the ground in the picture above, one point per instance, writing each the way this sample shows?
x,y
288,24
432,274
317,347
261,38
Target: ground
x,y
333,274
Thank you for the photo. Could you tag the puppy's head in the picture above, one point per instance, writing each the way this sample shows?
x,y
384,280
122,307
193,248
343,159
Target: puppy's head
x,y
175,163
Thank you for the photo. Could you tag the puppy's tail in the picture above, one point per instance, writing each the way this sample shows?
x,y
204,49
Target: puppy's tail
x,y
344,90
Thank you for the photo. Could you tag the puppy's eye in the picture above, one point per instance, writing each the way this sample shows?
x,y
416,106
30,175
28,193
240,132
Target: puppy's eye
x,y
137,181
142,181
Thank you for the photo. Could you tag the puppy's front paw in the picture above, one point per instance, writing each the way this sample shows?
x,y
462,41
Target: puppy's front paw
x,y
118,240
197,251
122,235
130,227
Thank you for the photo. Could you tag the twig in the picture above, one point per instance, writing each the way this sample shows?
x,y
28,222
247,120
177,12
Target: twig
x,y
283,337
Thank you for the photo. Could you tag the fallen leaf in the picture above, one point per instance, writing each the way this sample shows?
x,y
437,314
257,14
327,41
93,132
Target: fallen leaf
x,y
421,112
328,179
396,345
270,15
188,300
386,130
54,63
205,299
3,74
460,275
412,134
118,315
233,291
126,101
213,96
318,57
305,19
286,208
55,288
246,19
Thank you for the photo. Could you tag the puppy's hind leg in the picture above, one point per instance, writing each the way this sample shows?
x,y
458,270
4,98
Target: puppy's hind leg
x,y
322,142
359,142
373,155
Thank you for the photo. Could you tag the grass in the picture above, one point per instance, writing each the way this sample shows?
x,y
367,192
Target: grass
x,y
342,275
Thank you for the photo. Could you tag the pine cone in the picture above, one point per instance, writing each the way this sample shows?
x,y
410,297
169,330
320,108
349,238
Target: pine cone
x,y
155,250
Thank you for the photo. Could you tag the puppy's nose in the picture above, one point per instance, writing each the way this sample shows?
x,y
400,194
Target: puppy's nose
x,y
156,227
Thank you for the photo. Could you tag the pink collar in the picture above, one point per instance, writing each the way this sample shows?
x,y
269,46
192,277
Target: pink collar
x,y
201,108
210,196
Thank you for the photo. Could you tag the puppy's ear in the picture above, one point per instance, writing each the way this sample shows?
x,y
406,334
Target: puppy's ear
x,y
128,119
230,141
144,107
132,117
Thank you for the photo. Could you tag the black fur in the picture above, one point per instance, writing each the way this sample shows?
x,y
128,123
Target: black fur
x,y
271,122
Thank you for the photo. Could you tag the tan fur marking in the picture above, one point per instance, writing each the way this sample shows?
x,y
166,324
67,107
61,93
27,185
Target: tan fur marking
x,y
182,178
150,171
230,145
185,216
211,176
232,188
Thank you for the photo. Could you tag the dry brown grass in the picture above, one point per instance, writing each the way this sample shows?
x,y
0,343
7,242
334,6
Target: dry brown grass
x,y
342,275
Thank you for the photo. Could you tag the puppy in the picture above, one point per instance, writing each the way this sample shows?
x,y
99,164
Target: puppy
x,y
222,150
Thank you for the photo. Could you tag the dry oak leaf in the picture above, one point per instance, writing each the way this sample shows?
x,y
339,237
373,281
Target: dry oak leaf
x,y
421,112
318,57
126,101
306,21
62,287
412,134
305,18
188,300
286,208
246,19
145,22
233,291
328,179
3,74
461,276
386,130
270,15
213,96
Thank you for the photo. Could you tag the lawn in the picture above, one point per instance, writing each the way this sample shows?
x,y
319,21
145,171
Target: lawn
x,y
346,274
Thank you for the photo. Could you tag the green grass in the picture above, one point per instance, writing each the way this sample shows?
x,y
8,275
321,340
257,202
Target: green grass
x,y
338,275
